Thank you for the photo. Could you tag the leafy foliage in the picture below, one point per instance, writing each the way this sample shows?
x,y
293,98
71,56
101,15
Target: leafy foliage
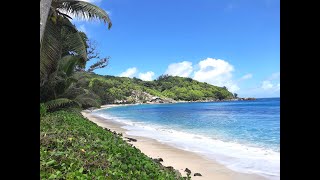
x,y
43,109
63,48
110,88
235,95
50,49
100,64
60,40
61,82
71,147
59,103
83,10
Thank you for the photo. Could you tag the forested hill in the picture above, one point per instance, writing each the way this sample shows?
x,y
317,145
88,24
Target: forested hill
x,y
111,89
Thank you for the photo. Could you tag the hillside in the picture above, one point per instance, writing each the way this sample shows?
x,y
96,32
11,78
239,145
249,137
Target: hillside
x,y
112,89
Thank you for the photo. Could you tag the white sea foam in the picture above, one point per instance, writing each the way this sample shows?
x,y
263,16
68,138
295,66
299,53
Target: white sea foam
x,y
236,156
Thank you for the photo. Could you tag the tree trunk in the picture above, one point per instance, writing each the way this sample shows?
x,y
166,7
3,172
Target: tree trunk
x,y
44,11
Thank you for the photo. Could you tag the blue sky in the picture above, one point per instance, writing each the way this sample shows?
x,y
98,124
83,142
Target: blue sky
x,y
232,43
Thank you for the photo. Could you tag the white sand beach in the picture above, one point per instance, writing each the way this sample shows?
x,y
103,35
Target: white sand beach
x,y
177,158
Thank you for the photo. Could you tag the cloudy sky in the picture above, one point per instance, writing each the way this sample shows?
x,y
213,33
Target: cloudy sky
x,y
225,43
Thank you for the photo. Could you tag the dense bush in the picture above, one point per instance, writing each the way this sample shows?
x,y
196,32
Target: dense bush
x,y
43,109
109,88
71,147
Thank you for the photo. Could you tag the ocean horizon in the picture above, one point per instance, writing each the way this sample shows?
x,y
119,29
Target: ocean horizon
x,y
242,135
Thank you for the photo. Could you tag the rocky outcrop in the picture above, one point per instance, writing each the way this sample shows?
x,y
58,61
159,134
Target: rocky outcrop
x,y
139,97
246,99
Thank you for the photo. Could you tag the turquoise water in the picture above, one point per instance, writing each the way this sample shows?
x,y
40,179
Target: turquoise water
x,y
243,135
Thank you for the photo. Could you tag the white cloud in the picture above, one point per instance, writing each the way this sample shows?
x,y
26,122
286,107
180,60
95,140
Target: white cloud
x,y
278,87
267,85
216,72
274,76
133,72
148,76
247,76
130,72
272,83
182,69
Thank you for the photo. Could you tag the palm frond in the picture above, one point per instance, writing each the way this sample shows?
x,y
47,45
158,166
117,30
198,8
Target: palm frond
x,y
73,41
88,100
63,14
84,10
72,92
68,63
50,49
60,103
76,45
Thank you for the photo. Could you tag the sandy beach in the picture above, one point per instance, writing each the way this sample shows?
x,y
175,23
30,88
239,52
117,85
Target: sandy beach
x,y
177,158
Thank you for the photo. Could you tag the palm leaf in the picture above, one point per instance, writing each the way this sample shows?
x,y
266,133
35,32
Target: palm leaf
x,y
84,10
72,40
60,103
68,63
65,15
88,100
72,92
77,46
50,49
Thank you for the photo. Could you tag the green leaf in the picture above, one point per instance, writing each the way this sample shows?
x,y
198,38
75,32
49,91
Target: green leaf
x,y
50,162
81,170
58,103
52,176
86,10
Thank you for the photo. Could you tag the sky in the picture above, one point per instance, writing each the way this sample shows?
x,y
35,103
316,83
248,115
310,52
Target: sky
x,y
232,43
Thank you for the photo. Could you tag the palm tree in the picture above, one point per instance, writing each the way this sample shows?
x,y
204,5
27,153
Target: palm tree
x,y
60,39
44,11
72,7
62,48
58,30
63,90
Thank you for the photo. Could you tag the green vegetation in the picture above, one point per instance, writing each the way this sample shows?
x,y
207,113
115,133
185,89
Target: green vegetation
x,y
72,147
111,88
64,50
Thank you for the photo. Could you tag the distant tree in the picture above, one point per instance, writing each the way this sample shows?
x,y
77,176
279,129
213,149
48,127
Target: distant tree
x,y
99,64
92,54
109,88
189,79
235,95
162,77
219,95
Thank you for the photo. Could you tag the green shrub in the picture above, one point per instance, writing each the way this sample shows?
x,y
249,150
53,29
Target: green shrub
x,y
43,109
72,147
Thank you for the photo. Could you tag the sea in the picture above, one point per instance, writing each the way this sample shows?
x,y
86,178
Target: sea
x,y
242,135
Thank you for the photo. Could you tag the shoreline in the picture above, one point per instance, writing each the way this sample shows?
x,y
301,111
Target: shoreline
x,y
177,158
182,101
